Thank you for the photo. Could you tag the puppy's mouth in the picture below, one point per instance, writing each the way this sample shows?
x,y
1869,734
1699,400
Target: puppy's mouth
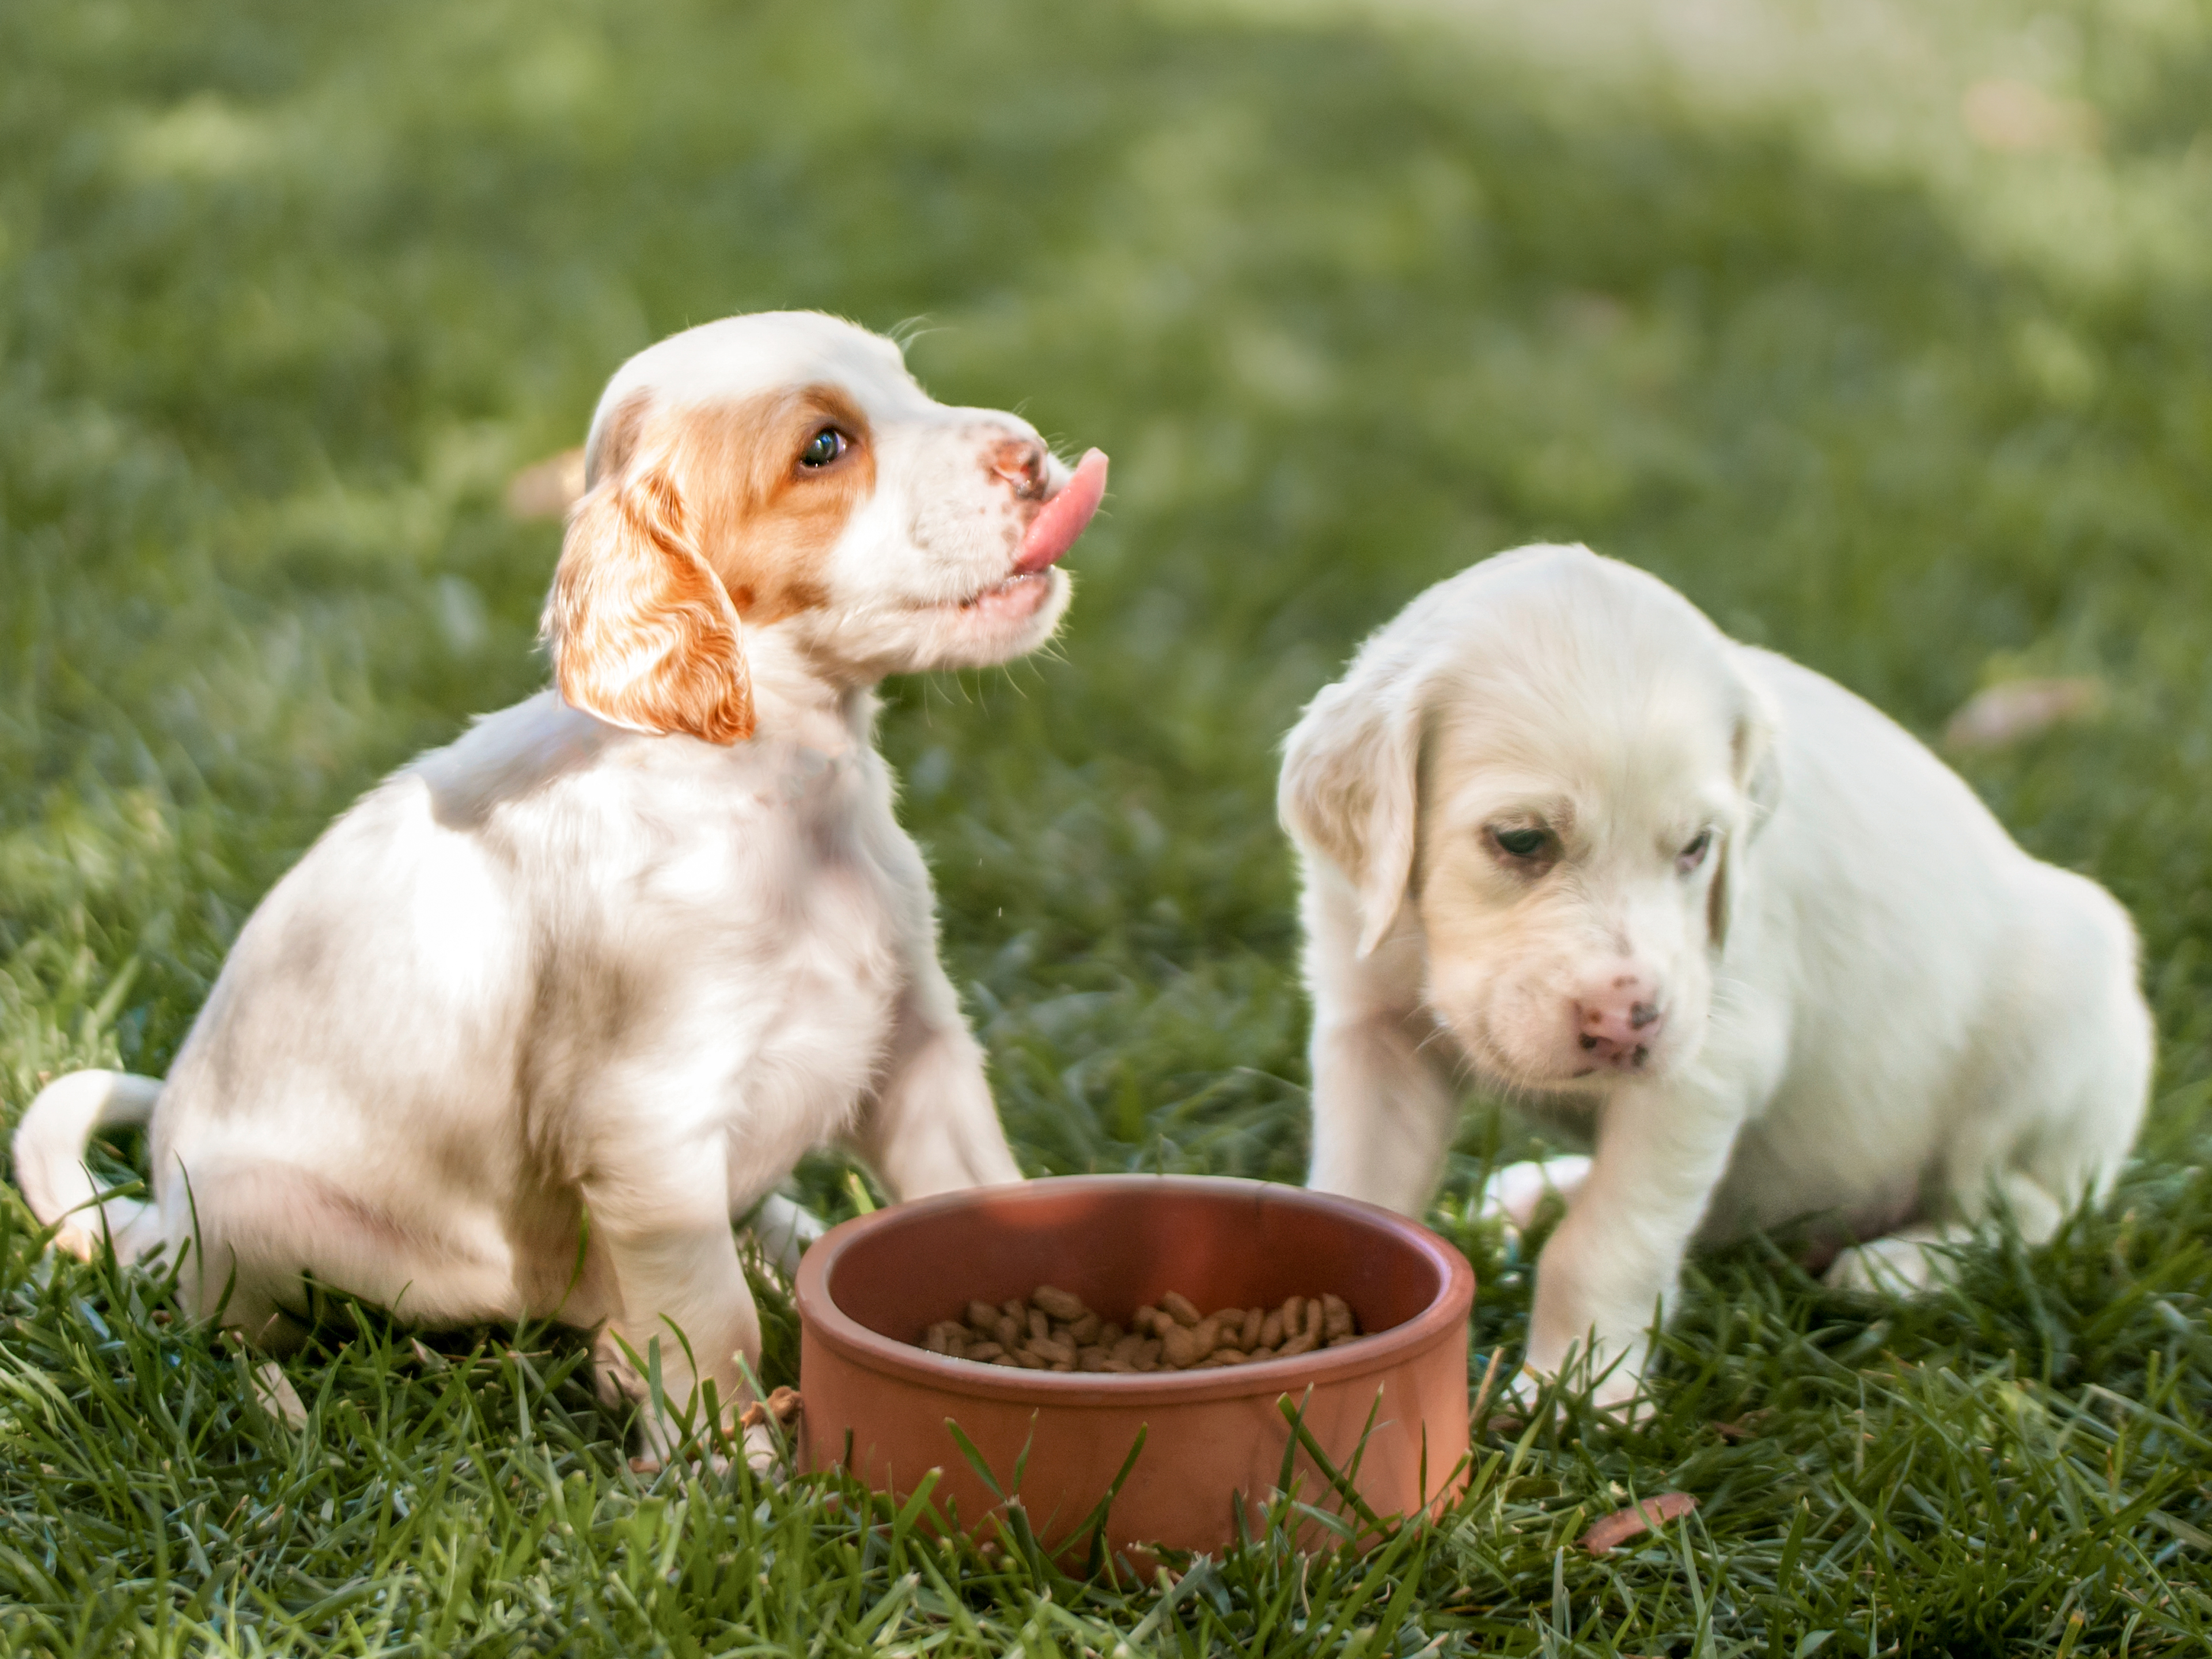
x,y
1547,1072
1014,599
1051,532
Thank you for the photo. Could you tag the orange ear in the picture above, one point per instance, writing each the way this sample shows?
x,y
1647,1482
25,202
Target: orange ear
x,y
643,635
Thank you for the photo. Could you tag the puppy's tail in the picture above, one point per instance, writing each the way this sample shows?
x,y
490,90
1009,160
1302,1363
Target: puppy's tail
x,y
50,1166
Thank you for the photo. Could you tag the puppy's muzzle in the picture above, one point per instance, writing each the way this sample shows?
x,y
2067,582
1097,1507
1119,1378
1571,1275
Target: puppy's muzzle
x,y
1617,1022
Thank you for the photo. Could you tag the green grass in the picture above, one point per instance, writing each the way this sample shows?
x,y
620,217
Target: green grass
x,y
1353,293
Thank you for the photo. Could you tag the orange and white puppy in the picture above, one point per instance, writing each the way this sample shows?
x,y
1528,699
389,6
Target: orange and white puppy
x,y
528,1026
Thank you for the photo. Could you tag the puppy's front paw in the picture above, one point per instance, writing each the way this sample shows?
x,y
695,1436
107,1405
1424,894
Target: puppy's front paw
x,y
1886,1268
783,1229
1619,1395
1515,1194
769,1436
1623,1397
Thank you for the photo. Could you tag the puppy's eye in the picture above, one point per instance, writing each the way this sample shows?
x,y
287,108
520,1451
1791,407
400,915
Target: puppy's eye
x,y
823,447
1521,843
1694,855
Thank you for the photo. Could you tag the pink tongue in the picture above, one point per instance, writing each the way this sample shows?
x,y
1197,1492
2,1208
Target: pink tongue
x,y
1054,529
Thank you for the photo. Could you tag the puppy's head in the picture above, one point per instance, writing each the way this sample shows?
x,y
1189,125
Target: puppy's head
x,y
1555,761
785,471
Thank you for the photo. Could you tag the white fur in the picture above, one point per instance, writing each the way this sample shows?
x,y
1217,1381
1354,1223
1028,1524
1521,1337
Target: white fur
x,y
528,1027
1869,1008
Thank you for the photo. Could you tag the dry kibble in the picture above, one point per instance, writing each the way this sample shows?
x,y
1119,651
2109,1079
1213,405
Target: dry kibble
x,y
1063,1305
1336,1317
1179,1308
1054,1331
1053,1350
1179,1348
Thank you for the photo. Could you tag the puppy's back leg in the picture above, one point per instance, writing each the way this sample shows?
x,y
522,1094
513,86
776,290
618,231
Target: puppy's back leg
x,y
2059,1101
1913,1259
256,1232
2069,1080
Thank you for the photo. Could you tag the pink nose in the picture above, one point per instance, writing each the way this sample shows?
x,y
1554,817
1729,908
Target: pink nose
x,y
1021,463
1617,1022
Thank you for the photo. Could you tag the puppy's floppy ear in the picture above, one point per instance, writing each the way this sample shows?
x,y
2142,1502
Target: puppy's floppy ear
x,y
1755,750
643,634
1350,790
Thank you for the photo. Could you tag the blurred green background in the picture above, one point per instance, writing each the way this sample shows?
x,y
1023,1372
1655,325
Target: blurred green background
x,y
1880,329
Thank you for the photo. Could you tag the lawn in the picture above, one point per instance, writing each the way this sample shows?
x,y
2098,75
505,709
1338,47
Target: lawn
x,y
1884,331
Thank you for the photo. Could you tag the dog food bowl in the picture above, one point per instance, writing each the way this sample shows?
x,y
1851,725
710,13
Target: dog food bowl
x,y
1388,1413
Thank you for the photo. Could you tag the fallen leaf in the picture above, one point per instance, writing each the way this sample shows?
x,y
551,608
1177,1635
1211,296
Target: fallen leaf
x,y
1744,1428
548,489
2005,713
274,1392
783,1405
1617,1528
2016,117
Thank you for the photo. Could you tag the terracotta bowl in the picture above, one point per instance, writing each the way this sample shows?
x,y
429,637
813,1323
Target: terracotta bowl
x,y
1214,1440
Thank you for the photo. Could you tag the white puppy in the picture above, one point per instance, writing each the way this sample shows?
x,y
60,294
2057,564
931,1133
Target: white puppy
x,y
1773,954
528,1027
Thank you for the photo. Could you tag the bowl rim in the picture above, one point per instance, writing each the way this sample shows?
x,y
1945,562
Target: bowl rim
x,y
820,1318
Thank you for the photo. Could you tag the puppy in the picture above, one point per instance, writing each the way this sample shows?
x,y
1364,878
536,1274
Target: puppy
x,y
1776,959
532,1023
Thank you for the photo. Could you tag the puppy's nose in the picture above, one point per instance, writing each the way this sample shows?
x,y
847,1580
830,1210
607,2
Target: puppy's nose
x,y
1617,1022
1021,463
